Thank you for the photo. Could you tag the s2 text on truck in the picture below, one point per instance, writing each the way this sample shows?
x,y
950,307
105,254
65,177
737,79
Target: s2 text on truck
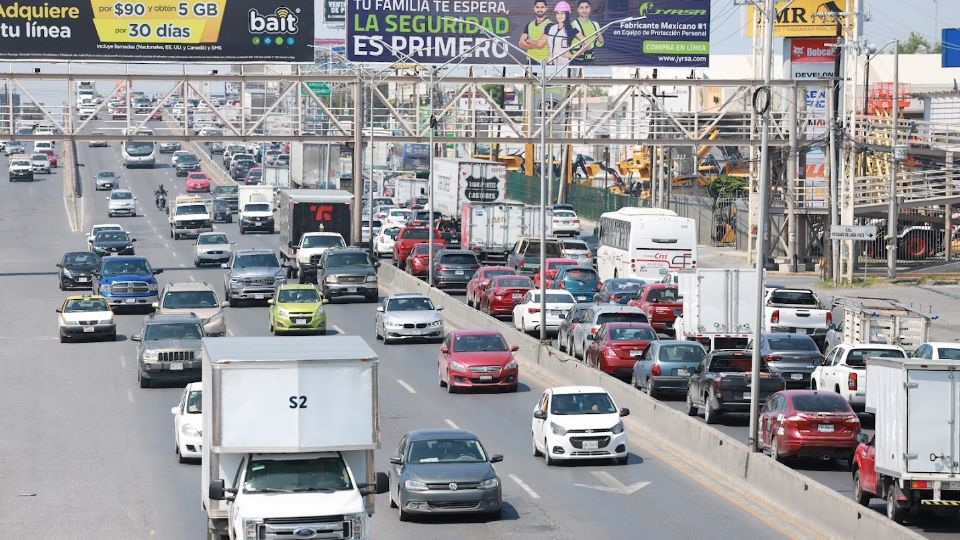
x,y
289,431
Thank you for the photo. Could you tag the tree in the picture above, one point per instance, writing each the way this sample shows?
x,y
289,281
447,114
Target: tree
x,y
914,42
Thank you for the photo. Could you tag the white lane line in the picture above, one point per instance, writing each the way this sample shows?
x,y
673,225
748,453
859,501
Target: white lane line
x,y
123,361
129,395
337,328
451,423
229,332
174,253
406,386
192,278
523,485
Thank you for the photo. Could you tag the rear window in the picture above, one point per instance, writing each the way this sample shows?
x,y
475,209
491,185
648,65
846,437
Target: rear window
x,y
575,244
799,298
515,282
632,333
821,403
415,234
553,249
792,344
681,353
580,275
459,258
731,365
621,317
858,357
949,354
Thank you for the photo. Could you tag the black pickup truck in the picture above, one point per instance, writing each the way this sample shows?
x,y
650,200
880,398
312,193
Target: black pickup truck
x,y
721,384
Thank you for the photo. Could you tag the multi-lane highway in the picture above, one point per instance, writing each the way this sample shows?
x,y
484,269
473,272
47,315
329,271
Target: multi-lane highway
x,y
86,453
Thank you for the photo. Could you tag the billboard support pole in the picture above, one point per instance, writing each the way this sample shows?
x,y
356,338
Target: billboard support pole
x,y
357,159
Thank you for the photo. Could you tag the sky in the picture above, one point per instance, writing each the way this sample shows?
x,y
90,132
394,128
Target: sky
x,y
889,19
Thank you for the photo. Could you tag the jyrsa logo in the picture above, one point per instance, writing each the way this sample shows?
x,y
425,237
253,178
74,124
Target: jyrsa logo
x,y
281,21
647,9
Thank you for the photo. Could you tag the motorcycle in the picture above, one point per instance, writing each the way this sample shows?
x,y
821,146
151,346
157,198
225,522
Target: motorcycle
x,y
161,202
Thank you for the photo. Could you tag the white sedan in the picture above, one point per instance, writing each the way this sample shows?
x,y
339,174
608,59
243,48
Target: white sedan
x,y
188,423
562,416
398,216
383,245
527,316
566,222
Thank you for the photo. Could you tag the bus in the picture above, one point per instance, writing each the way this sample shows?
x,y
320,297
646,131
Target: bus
x,y
411,157
645,243
139,153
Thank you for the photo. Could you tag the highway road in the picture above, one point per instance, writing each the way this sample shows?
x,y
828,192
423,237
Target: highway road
x,y
86,453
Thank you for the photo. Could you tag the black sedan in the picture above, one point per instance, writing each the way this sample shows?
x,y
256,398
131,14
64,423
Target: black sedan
x,y
113,243
618,290
76,269
442,471
221,211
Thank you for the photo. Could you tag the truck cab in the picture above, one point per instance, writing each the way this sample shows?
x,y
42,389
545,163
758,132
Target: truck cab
x,y
662,304
189,216
308,252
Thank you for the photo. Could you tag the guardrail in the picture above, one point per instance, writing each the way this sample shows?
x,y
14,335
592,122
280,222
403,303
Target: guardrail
x,y
727,460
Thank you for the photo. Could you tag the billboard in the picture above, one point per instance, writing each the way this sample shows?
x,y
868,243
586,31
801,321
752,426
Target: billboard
x,y
800,18
159,30
666,33
950,43
812,58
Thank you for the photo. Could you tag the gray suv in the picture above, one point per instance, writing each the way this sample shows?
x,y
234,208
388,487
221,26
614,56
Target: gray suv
x,y
252,274
524,257
348,271
169,349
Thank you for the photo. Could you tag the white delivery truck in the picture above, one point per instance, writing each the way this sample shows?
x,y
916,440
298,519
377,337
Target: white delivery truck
x,y
457,182
913,458
877,320
407,187
491,229
533,222
289,431
719,307
276,176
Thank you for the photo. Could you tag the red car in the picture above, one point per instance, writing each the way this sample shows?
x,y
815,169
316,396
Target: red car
x,y
198,182
661,302
504,293
417,262
808,423
157,115
478,283
410,236
51,155
615,347
553,266
477,359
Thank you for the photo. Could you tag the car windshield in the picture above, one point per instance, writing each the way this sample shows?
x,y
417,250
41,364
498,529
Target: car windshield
x,y
827,402
580,275
297,475
662,295
111,236
190,299
121,195
592,403
326,241
256,207
798,298
479,343
186,209
39,157
348,259
399,212
83,260
416,234
858,357
106,174
446,451
226,189
212,239
621,317
188,158
459,258
787,344
255,260
514,282
113,266
161,331
255,173
410,304
948,353
632,333
86,304
195,402
298,296
681,353
623,285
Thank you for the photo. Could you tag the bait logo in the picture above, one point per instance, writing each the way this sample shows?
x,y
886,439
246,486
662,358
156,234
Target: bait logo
x,y
281,21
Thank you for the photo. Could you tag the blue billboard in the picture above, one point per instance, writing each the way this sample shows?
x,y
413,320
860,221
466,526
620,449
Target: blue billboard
x,y
950,43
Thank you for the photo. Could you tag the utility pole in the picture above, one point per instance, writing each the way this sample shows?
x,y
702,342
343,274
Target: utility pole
x,y
894,161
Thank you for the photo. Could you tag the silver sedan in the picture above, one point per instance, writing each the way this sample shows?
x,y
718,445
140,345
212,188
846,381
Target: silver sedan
x,y
408,316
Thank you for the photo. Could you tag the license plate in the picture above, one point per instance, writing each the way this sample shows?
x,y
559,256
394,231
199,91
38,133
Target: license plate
x,y
799,330
950,485
130,300
581,297
747,395
516,296
176,366
636,352
88,329
83,279
459,272
300,321
683,373
259,296
796,376
825,428
351,289
556,312
486,377
591,445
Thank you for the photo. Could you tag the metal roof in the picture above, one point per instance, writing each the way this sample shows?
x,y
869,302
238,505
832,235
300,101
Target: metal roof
x,y
294,348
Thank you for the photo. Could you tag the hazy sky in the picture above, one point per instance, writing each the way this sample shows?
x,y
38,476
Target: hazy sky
x,y
889,19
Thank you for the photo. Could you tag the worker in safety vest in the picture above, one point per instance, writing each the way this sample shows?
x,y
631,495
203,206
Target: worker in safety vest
x,y
533,39
588,39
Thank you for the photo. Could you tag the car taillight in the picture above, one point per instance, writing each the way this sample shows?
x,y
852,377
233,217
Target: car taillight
x,y
441,268
609,352
920,484
829,318
655,370
594,329
533,310
772,357
775,317
576,221
852,381
522,261
615,296
563,285
717,383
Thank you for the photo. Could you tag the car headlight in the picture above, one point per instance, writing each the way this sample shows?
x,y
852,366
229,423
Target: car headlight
x,y
357,523
558,429
104,288
489,483
371,279
457,366
67,273
282,312
108,320
150,355
251,528
330,279
215,318
415,485
511,365
617,429
152,287
189,430
436,324
235,281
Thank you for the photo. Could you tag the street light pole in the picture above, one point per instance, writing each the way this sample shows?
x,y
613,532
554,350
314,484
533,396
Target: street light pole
x,y
892,210
432,125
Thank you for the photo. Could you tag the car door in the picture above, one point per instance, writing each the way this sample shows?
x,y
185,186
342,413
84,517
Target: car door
x,y
443,358
537,425
645,363
824,373
378,322
396,470
764,421
868,471
696,380
178,417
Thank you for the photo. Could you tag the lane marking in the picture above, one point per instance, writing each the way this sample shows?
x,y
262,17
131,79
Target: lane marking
x,y
174,253
451,423
192,278
123,361
406,386
229,332
337,328
523,485
129,395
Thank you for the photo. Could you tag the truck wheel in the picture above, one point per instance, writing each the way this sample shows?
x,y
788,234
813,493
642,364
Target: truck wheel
x,y
691,407
862,498
710,415
652,389
895,511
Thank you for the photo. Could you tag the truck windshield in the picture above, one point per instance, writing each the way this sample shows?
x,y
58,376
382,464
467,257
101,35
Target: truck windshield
x,y
948,353
161,331
113,267
295,475
268,260
348,259
324,241
186,209
212,239
594,403
138,148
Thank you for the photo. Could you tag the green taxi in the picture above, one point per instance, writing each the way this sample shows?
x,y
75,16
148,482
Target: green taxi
x,y
297,309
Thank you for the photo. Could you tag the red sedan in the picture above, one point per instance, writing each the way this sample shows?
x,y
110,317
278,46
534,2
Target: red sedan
x,y
478,283
198,182
417,262
615,347
408,237
661,302
51,155
157,115
504,293
553,266
477,359
808,423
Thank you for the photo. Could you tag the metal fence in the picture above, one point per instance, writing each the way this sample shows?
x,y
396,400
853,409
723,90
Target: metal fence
x,y
921,238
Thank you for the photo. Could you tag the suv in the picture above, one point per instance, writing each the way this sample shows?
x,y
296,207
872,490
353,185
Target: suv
x,y
454,267
126,281
310,250
194,298
20,169
348,271
252,274
187,163
524,257
240,164
169,349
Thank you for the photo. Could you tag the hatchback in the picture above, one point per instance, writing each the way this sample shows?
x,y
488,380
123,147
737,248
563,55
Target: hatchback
x,y
793,356
578,422
454,268
666,365
808,423
528,315
618,290
188,423
581,281
554,265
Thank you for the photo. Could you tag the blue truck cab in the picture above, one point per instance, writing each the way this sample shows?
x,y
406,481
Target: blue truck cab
x,y
126,281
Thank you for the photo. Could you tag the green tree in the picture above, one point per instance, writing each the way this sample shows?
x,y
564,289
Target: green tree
x,y
725,186
914,42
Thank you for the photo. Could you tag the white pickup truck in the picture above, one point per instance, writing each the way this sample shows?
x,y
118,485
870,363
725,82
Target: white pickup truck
x,y
797,311
844,370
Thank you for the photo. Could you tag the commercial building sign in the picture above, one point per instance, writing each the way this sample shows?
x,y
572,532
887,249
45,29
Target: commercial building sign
x,y
666,33
800,18
811,58
950,43
158,30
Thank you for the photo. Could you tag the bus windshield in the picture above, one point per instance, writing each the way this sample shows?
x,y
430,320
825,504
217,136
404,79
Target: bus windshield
x,y
138,148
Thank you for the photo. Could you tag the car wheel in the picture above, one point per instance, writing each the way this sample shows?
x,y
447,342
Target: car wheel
x,y
62,288
451,389
710,415
863,499
393,503
233,302
652,389
112,337
496,514
386,340
633,381
180,457
546,454
64,338
440,377
403,516
533,444
895,511
560,345
144,383
622,460
775,450
813,383
691,406
196,263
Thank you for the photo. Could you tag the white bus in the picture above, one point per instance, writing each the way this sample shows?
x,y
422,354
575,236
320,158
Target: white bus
x,y
645,243
139,153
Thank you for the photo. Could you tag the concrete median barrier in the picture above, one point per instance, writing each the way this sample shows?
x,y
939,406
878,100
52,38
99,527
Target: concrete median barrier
x,y
783,491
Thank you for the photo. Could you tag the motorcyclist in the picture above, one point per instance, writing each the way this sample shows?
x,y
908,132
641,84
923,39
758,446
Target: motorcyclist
x,y
160,196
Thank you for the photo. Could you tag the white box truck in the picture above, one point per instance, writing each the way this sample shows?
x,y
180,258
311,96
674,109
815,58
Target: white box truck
x,y
719,307
913,458
408,187
533,221
490,230
289,431
877,320
466,181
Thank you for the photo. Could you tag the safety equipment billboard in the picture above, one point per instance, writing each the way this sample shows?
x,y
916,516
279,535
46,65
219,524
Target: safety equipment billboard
x,y
663,33
158,30
800,18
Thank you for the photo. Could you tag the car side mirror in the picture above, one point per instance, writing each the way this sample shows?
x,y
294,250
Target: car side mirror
x,y
624,412
155,305
133,239
59,310
563,315
539,415
218,492
514,348
324,301
439,308
396,460
496,458
590,337
444,349
270,302
136,337
224,304
174,410
160,271
376,264
379,309
224,266
292,245
59,265
863,438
